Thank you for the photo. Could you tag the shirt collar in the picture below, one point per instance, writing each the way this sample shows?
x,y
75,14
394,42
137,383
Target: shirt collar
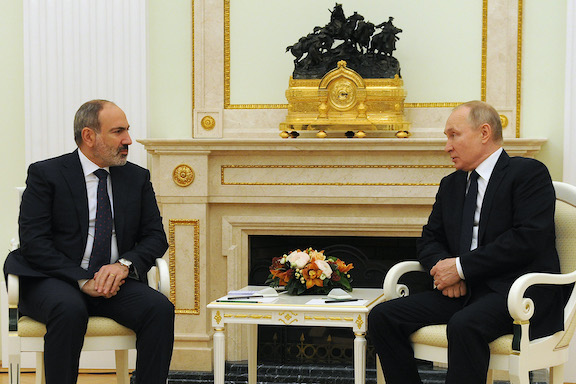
x,y
87,165
486,168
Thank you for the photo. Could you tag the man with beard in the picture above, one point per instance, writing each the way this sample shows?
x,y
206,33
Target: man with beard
x,y
87,241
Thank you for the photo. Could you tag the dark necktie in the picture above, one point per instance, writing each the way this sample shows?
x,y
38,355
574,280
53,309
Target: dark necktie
x,y
103,226
468,214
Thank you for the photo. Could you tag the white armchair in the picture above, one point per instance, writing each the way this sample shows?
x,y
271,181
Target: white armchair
x,y
24,334
513,353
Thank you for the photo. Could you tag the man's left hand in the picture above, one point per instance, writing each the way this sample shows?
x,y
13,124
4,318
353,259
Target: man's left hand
x,y
110,277
445,273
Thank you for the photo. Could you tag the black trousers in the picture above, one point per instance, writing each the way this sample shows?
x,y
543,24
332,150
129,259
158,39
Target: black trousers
x,y
472,324
65,311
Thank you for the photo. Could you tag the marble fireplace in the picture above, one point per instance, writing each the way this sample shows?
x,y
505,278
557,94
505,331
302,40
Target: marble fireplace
x,y
216,193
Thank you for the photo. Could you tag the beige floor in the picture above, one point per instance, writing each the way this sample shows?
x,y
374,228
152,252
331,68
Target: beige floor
x,y
84,378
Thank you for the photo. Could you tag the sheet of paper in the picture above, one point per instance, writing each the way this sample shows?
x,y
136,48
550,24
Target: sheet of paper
x,y
348,303
249,300
241,293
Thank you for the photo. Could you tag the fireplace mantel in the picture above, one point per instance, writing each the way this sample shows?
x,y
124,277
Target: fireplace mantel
x,y
215,193
518,147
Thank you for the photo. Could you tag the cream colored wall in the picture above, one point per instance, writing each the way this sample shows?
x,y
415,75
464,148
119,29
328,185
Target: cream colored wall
x,y
170,68
543,62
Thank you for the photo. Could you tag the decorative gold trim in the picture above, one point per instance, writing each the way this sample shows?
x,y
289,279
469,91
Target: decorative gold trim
x,y
218,317
504,121
193,63
519,68
288,317
227,54
195,263
432,105
359,321
275,166
208,123
183,175
228,105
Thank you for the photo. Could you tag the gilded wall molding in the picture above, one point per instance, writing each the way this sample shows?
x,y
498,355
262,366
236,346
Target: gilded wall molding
x,y
223,169
193,59
183,175
228,105
519,67
172,224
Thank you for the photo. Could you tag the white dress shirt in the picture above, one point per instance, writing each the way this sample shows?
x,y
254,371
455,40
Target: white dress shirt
x,y
88,168
484,171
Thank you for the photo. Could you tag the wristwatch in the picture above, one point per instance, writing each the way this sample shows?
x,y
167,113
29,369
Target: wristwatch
x,y
126,263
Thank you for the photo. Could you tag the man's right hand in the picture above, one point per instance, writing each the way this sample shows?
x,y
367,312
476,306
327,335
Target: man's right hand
x,y
455,290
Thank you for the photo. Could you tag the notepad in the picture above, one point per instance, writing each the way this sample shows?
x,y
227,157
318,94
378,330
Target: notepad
x,y
347,303
265,292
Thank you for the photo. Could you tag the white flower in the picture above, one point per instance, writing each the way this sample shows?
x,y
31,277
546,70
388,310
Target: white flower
x,y
324,267
298,259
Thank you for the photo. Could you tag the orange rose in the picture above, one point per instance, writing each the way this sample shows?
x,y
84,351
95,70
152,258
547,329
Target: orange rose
x,y
315,255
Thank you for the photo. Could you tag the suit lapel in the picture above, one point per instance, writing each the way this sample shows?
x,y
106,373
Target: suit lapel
x,y
74,176
496,178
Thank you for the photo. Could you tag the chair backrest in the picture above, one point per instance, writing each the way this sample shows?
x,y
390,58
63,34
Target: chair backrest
x,y
565,223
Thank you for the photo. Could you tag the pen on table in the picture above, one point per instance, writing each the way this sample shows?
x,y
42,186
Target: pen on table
x,y
243,297
339,300
237,301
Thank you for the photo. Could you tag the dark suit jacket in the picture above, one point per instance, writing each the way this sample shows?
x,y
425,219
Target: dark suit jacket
x,y
53,222
516,233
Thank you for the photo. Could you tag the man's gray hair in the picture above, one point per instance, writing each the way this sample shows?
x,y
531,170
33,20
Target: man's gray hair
x,y
87,116
483,113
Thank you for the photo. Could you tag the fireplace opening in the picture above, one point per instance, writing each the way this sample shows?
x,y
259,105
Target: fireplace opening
x,y
372,258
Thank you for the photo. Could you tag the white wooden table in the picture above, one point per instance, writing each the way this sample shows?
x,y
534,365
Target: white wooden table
x,y
292,310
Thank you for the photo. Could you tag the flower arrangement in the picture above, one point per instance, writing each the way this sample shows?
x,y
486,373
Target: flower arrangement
x,y
309,271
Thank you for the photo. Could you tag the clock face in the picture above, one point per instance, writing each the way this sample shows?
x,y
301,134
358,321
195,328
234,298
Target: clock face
x,y
342,94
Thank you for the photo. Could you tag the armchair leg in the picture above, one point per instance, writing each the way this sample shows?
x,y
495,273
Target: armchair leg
x,y
557,374
40,373
14,368
490,377
122,376
379,373
522,377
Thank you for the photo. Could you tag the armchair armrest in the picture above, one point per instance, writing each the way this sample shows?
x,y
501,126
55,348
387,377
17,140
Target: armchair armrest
x,y
12,293
159,277
522,308
392,289
13,287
